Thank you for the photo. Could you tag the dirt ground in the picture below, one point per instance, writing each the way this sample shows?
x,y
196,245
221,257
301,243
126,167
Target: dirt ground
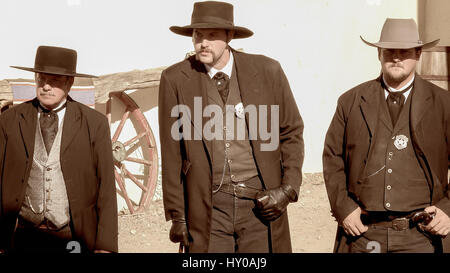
x,y
311,225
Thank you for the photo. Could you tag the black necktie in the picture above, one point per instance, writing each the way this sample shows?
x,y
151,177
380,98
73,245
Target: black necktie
x,y
48,122
395,101
222,81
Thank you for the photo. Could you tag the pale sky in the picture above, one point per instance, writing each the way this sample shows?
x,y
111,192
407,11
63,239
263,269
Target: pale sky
x,y
316,41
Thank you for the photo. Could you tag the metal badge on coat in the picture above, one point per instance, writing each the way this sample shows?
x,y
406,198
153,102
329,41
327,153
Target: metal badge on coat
x,y
239,110
401,142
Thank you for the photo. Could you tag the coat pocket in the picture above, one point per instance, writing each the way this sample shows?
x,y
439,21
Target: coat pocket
x,y
186,166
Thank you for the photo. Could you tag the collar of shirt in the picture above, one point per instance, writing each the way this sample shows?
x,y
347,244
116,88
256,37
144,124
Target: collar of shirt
x,y
60,114
227,69
391,89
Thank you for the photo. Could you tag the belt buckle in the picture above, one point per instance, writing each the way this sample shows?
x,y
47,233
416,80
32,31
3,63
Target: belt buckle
x,y
400,224
237,189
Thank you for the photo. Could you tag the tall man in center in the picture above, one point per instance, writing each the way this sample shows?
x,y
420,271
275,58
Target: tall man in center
x,y
228,193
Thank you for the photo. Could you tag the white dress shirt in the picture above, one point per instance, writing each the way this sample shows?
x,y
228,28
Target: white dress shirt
x,y
391,89
227,69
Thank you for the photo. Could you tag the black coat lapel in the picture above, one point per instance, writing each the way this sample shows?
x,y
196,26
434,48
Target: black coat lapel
x,y
71,125
251,93
27,124
247,79
370,104
195,89
420,102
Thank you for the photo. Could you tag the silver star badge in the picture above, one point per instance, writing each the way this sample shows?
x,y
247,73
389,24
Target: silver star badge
x,y
401,142
239,110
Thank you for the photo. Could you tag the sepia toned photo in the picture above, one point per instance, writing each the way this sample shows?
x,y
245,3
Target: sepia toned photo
x,y
231,127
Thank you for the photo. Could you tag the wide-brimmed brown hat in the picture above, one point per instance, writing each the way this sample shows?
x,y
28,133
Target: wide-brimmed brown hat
x,y
55,60
400,34
212,14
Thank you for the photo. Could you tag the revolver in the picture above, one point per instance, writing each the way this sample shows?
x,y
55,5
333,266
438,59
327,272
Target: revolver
x,y
422,217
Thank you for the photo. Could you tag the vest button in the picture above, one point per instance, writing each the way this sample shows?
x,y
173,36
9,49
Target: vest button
x,y
388,205
389,170
49,169
389,187
227,145
229,160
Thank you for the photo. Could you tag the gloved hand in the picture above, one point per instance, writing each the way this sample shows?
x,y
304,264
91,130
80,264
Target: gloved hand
x,y
272,203
178,232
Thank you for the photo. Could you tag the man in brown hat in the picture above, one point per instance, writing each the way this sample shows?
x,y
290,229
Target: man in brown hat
x,y
57,189
387,153
226,187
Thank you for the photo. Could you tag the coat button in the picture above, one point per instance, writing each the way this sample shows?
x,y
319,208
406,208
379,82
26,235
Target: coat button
x,y
389,187
388,205
389,170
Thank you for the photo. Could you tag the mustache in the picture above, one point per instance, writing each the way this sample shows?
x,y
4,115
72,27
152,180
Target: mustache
x,y
396,65
204,51
47,94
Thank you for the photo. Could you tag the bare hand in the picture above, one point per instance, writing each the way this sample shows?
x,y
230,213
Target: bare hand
x,y
352,223
101,251
440,225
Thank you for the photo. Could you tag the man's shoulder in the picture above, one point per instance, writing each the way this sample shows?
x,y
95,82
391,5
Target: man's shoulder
x,y
88,112
359,89
14,111
436,90
184,65
261,61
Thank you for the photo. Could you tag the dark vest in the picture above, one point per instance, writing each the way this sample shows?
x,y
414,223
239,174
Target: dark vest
x,y
236,152
393,179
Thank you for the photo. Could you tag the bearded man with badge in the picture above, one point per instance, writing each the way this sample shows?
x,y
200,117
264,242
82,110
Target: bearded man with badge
x,y
228,194
387,154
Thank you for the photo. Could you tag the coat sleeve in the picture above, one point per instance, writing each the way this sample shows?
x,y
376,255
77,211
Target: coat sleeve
x,y
107,228
3,238
171,159
334,167
291,134
444,203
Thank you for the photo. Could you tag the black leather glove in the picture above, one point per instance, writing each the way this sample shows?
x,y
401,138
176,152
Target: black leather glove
x,y
178,232
272,203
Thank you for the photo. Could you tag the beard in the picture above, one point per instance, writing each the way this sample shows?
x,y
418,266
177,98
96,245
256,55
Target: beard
x,y
208,59
396,74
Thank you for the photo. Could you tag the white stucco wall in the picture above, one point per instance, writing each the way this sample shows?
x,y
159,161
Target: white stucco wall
x,y
316,41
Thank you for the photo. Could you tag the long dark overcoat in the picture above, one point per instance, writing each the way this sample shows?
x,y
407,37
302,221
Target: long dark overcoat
x,y
86,163
186,164
350,137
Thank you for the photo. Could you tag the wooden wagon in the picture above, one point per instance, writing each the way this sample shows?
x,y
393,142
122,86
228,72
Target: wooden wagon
x,y
129,100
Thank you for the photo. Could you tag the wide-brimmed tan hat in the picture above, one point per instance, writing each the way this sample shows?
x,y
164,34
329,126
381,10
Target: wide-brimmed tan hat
x,y
400,34
56,61
212,14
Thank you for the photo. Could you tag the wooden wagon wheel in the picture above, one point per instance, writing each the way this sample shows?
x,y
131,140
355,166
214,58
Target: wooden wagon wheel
x,y
134,152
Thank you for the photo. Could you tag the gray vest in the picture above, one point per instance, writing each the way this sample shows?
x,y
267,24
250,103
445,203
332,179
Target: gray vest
x,y
46,195
235,149
394,179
